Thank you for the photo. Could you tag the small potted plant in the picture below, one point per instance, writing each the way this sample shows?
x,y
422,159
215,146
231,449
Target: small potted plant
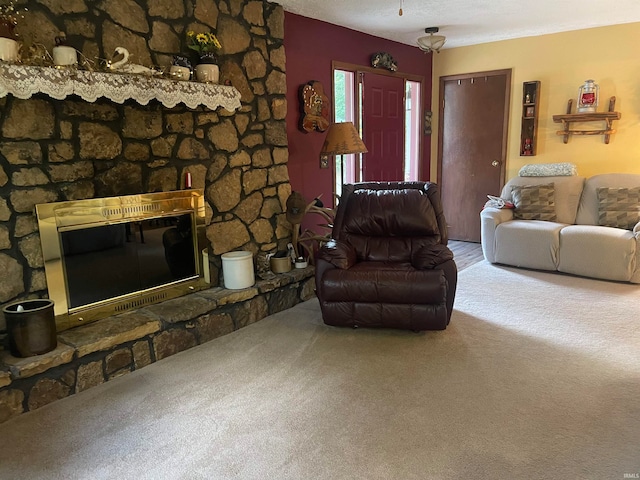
x,y
206,45
9,16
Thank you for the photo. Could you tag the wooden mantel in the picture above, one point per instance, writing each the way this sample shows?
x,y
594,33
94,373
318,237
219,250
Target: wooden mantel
x,y
23,81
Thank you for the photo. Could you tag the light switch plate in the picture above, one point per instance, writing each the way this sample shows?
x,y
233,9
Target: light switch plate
x,y
324,161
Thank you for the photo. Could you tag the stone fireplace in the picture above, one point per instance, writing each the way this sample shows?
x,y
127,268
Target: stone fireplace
x,y
62,150
57,150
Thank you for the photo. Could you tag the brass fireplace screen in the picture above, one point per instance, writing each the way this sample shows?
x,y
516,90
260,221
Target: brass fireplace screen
x,y
105,256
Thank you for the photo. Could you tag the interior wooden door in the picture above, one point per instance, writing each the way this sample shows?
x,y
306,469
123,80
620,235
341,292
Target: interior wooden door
x,y
474,111
383,127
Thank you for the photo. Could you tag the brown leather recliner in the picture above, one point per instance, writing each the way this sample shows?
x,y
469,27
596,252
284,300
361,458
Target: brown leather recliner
x,y
388,264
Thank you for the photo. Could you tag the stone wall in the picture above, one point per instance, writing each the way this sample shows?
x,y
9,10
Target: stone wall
x,y
54,150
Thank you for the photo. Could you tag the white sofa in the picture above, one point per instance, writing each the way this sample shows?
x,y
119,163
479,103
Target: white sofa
x,y
576,242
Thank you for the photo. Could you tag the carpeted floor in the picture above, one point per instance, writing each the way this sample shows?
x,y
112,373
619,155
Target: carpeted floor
x,y
537,377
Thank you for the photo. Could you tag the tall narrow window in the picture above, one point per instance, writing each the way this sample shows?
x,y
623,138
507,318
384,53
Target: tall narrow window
x,y
344,111
413,114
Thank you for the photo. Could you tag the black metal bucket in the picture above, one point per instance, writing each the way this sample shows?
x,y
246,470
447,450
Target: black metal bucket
x,y
32,328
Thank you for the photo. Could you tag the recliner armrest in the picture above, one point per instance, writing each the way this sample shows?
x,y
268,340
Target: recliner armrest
x,y
338,253
431,256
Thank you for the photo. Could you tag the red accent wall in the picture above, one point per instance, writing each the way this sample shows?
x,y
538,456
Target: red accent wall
x,y
311,46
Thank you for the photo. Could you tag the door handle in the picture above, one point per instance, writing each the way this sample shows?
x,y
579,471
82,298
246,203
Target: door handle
x,y
495,163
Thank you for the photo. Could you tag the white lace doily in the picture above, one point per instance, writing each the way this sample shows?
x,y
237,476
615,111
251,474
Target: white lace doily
x,y
24,81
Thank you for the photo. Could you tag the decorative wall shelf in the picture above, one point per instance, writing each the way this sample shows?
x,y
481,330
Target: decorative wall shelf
x,y
24,81
607,117
529,121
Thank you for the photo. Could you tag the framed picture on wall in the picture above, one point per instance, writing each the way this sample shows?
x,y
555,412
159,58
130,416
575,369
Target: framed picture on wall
x,y
529,112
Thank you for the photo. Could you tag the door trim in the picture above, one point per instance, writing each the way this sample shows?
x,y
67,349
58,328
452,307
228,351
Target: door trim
x,y
505,127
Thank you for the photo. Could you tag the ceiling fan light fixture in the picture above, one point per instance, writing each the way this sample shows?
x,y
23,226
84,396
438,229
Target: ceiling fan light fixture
x,y
431,42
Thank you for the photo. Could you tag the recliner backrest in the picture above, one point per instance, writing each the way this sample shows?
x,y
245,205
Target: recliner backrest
x,y
388,221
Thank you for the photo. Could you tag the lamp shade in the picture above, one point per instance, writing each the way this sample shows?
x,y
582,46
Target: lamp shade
x,y
342,138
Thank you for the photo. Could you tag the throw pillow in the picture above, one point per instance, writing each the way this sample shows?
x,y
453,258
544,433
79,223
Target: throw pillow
x,y
548,170
534,202
618,207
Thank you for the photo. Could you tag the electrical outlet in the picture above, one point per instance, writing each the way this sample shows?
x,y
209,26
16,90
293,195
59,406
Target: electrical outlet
x,y
324,161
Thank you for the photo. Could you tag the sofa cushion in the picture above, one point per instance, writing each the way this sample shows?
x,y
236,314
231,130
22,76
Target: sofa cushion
x,y
567,193
528,243
588,213
598,252
534,202
618,207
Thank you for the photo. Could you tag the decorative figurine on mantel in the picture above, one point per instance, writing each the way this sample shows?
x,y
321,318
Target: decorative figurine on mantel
x,y
121,65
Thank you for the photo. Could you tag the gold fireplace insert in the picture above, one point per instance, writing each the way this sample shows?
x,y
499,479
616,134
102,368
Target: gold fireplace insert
x,y
104,256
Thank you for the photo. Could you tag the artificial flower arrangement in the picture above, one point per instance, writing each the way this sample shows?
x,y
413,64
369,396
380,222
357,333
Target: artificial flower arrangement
x,y
203,42
206,44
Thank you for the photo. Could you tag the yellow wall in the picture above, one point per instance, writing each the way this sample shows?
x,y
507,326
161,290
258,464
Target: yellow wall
x,y
562,62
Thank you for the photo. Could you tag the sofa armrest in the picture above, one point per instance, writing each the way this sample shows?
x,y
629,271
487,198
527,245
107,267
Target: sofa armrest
x,y
635,276
490,218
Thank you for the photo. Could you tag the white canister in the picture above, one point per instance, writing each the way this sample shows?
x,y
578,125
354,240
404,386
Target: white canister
x,y
177,72
65,56
237,270
207,73
8,49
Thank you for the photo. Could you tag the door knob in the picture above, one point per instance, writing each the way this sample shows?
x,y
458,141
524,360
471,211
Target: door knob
x,y
495,163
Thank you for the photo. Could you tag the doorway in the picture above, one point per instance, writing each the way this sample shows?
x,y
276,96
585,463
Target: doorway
x,y
472,146
386,109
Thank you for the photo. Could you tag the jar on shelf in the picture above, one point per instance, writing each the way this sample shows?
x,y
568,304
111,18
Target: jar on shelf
x,y
588,97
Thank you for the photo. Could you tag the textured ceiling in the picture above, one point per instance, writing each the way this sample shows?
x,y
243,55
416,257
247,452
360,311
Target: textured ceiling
x,y
467,22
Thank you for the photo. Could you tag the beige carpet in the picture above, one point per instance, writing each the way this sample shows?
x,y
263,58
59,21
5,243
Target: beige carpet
x,y
537,377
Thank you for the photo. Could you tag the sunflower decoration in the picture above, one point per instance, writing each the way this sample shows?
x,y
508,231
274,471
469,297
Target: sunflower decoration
x,y
203,42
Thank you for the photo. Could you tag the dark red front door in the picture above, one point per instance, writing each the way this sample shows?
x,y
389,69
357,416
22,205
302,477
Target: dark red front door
x,y
383,128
